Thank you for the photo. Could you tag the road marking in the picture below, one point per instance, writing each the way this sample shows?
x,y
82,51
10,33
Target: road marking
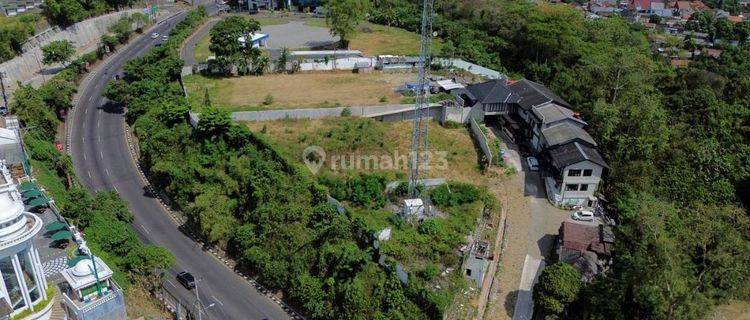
x,y
91,97
84,156
144,229
107,171
217,300
118,191
99,138
89,174
97,123
170,282
85,111
101,155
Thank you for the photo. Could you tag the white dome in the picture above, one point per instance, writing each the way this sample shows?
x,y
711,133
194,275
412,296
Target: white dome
x,y
85,268
9,208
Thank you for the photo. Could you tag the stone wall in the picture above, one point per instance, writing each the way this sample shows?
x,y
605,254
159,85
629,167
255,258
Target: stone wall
x,y
84,35
400,111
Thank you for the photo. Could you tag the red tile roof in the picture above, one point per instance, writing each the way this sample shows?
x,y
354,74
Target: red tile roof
x,y
735,19
583,237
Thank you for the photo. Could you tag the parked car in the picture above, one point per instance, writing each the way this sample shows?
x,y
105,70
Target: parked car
x,y
154,35
533,163
164,38
583,215
186,279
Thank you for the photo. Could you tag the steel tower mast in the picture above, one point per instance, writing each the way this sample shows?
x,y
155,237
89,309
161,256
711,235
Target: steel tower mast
x,y
419,144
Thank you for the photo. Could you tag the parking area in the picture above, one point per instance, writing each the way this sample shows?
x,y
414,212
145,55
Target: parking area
x,y
297,35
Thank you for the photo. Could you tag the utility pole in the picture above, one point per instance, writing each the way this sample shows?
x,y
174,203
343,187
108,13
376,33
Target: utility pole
x,y
5,97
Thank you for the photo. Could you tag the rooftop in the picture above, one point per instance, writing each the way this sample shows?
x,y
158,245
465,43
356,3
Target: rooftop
x,y
586,237
574,152
566,132
493,91
534,94
552,112
82,274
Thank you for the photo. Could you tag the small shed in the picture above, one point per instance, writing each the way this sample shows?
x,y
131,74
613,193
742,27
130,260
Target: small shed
x,y
413,207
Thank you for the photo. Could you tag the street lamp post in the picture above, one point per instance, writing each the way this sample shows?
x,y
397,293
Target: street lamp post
x,y
198,303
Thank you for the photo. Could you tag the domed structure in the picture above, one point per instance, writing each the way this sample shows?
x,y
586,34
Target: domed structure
x,y
23,284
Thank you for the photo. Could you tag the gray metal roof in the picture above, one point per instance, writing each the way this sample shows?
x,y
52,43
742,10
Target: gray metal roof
x,y
493,91
566,132
574,152
534,94
550,112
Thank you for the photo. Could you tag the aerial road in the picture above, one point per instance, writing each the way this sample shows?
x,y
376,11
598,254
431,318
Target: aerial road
x,y
102,161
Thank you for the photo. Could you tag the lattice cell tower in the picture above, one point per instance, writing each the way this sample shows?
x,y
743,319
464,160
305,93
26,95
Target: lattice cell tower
x,y
419,144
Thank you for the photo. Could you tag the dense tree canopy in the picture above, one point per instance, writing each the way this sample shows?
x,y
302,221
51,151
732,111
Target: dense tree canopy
x,y
676,139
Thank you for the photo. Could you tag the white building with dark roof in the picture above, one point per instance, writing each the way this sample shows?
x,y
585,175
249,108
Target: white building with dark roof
x,y
576,170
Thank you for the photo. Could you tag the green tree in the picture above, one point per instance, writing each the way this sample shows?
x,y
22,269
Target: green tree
x,y
225,43
57,93
33,113
213,122
65,12
558,286
58,51
343,16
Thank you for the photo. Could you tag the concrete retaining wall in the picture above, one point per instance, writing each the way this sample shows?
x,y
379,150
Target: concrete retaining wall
x,y
340,64
84,36
481,139
470,67
380,112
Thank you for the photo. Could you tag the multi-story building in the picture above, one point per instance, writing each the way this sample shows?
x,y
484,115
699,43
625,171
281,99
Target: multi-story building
x,y
23,287
546,124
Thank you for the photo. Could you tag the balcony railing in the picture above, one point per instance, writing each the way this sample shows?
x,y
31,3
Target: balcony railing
x,y
86,310
36,225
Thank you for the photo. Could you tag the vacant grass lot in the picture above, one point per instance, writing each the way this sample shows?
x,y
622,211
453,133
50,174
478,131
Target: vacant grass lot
x,y
375,39
355,136
302,90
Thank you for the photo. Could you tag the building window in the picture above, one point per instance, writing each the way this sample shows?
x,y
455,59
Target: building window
x,y
11,284
468,272
574,173
28,275
587,172
571,187
584,187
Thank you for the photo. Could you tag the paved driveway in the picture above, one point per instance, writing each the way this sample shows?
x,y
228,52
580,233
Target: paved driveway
x,y
296,34
544,222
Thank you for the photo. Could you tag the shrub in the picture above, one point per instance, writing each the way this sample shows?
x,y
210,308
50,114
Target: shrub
x,y
452,124
268,100
454,194
347,112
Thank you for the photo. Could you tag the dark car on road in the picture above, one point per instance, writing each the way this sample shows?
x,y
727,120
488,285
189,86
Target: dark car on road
x,y
186,279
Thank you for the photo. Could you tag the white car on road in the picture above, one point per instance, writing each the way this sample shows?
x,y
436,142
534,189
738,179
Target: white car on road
x,y
533,163
583,215
154,35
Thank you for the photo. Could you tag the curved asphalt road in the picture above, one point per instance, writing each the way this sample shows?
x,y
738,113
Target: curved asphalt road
x,y
102,161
